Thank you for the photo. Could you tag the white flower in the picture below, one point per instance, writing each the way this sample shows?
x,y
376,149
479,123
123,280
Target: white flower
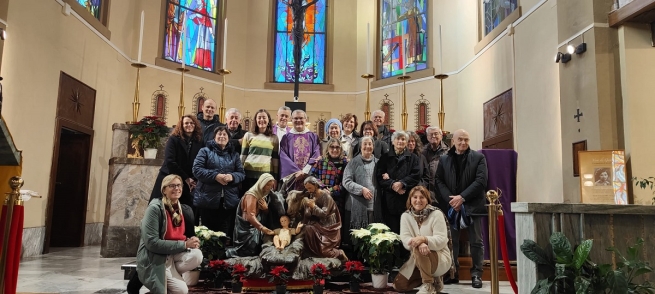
x,y
360,233
206,235
202,228
219,234
379,226
388,236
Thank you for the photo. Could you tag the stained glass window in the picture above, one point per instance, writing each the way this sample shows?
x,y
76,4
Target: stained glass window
x,y
312,62
495,11
195,22
93,6
404,31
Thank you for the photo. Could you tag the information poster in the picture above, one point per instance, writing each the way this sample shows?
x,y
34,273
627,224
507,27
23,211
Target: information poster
x,y
602,177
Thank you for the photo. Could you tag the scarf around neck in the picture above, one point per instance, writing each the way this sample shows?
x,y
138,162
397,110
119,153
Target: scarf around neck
x,y
421,216
174,210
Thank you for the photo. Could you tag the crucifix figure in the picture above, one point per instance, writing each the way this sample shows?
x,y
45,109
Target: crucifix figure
x,y
578,115
298,11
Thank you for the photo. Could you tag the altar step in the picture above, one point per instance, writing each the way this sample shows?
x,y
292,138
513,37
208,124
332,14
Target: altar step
x,y
465,264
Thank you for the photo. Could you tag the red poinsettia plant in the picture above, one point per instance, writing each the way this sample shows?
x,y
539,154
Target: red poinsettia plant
x,y
219,268
238,271
279,275
319,272
354,268
149,130
421,130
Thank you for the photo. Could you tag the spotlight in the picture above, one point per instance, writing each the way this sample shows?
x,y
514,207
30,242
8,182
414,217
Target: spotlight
x,y
566,57
570,49
558,57
582,48
3,34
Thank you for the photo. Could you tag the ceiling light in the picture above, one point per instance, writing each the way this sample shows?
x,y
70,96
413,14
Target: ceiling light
x,y
582,48
3,34
570,49
566,57
558,56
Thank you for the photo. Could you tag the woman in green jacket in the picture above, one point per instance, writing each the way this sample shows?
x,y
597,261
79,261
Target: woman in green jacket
x,y
165,253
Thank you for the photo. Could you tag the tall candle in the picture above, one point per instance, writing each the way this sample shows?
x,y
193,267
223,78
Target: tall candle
x,y
440,52
225,45
141,37
404,70
368,48
183,46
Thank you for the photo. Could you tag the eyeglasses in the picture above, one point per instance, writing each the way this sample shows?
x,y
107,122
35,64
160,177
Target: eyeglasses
x,y
173,186
434,134
335,147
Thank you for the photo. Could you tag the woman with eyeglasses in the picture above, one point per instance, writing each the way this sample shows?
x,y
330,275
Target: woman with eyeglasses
x,y
169,248
334,130
219,172
329,170
379,146
181,150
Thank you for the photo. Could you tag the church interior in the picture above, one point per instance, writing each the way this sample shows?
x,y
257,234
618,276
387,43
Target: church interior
x,y
545,78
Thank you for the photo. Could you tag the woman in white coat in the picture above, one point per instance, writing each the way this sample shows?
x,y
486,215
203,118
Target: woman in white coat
x,y
424,232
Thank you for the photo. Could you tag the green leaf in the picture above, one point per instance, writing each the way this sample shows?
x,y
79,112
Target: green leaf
x,y
581,285
561,248
618,282
535,253
582,252
643,270
542,287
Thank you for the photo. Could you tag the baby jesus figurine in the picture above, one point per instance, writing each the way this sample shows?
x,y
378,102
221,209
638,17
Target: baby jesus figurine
x,y
283,235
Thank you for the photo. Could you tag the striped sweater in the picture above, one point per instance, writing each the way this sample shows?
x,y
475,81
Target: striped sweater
x,y
259,154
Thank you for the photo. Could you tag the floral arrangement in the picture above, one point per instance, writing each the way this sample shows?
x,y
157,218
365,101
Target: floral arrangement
x,y
279,275
149,130
211,243
422,134
238,272
377,245
220,269
318,271
354,268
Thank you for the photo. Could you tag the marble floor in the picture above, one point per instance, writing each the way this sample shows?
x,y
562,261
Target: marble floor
x,y
82,270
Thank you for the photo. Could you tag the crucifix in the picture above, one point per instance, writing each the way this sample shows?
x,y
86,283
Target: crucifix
x,y
247,113
298,10
577,115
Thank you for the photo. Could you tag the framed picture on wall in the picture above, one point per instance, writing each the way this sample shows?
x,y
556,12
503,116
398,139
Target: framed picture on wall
x,y
577,147
602,177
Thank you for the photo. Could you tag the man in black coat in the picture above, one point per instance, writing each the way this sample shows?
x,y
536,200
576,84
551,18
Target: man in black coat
x,y
461,180
233,119
208,120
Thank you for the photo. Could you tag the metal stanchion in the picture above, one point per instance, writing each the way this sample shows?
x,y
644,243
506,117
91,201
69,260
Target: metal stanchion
x,y
12,198
494,206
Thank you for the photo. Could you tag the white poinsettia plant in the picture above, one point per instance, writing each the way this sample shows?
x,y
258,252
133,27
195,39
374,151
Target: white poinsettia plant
x,y
212,244
377,246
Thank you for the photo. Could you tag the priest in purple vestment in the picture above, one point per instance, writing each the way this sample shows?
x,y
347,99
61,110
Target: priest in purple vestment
x,y
299,148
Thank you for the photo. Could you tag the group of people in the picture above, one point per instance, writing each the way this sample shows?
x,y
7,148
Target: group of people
x,y
225,177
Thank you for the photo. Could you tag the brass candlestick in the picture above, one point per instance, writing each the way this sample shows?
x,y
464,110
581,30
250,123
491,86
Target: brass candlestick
x,y
403,115
494,209
135,103
221,109
180,107
442,113
367,113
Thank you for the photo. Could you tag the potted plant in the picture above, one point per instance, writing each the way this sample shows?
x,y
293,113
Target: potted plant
x,y
220,270
377,245
237,271
212,244
150,130
354,268
319,272
279,275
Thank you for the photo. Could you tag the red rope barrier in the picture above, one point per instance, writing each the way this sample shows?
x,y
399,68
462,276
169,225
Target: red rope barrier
x,y
503,249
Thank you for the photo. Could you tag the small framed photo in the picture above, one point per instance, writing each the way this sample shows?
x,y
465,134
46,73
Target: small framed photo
x,y
577,147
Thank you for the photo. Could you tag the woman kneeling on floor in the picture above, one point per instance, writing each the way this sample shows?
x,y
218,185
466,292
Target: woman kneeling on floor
x,y
165,253
424,233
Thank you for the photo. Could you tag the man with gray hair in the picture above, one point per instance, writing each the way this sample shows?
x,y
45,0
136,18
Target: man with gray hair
x,y
233,122
384,134
299,149
432,153
281,128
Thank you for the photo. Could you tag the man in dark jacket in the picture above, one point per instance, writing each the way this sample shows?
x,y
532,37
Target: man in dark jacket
x,y
384,134
462,180
208,120
432,153
233,118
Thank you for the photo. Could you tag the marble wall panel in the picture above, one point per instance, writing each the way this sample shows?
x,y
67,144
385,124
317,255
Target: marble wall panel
x,y
119,140
33,239
92,234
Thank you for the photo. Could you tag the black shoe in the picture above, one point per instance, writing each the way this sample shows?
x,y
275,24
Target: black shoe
x,y
449,281
476,282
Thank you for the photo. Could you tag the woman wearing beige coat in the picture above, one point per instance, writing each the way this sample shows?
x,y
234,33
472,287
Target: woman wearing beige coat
x,y
424,232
